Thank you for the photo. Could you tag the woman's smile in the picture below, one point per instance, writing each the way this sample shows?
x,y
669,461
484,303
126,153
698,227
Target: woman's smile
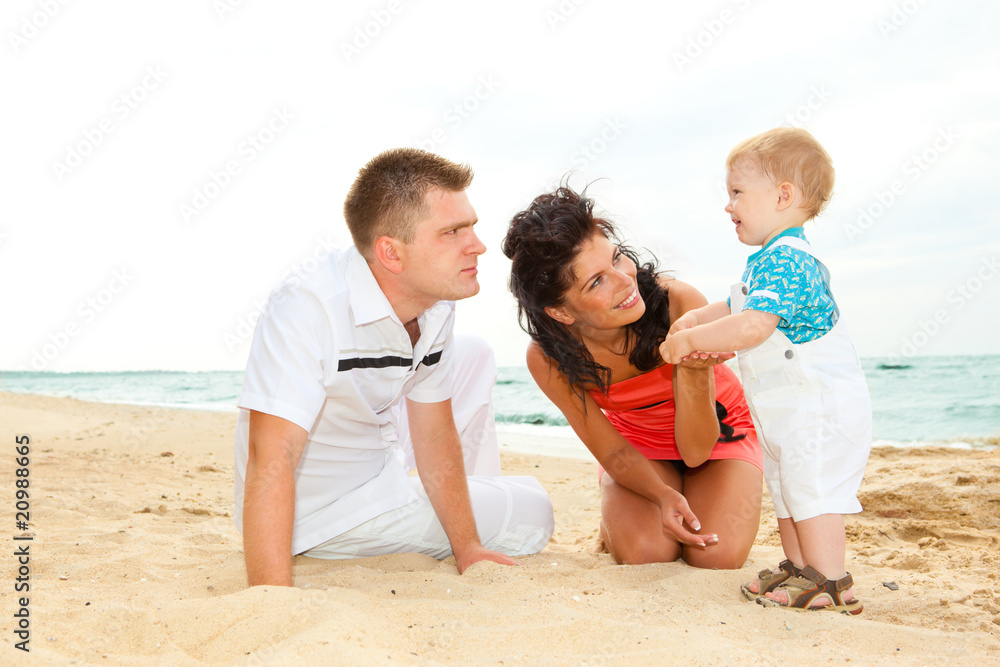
x,y
630,301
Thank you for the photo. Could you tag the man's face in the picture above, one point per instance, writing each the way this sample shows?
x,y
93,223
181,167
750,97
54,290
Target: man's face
x,y
440,264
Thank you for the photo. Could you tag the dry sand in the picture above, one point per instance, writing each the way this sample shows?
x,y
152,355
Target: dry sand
x,y
136,561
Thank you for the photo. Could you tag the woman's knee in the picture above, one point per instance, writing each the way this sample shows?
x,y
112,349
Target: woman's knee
x,y
717,557
640,549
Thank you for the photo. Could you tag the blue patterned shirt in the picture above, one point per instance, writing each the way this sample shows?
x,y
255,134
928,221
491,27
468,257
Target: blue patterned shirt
x,y
789,283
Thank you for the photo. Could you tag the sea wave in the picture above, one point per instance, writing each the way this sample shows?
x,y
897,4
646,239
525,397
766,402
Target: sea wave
x,y
532,418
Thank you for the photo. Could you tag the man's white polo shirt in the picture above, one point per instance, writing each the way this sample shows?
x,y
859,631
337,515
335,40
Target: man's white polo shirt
x,y
330,355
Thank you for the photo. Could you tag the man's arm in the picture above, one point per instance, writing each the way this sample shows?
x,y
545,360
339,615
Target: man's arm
x,y
269,498
438,453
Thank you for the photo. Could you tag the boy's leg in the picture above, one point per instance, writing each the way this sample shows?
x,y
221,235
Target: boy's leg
x,y
790,546
790,542
818,476
786,527
823,544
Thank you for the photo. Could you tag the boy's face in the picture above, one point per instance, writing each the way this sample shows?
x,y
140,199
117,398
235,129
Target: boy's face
x,y
753,204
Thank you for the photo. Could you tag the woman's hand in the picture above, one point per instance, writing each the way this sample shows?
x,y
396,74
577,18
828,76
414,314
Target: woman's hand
x,y
674,511
705,360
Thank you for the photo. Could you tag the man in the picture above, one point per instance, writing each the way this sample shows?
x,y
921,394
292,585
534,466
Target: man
x,y
323,443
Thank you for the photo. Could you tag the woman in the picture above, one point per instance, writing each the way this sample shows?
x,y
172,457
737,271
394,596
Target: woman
x,y
596,319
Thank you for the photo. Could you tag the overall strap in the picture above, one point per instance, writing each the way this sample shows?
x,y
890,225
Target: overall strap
x,y
798,244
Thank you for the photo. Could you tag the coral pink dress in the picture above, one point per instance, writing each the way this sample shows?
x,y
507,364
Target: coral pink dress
x,y
642,410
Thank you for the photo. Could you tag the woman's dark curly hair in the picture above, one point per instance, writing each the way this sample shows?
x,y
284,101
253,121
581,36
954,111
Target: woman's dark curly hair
x,y
542,242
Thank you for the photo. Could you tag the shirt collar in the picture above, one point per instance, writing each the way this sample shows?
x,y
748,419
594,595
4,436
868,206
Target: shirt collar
x,y
368,302
797,232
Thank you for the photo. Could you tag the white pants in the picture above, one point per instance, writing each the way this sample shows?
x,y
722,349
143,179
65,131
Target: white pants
x,y
811,408
513,514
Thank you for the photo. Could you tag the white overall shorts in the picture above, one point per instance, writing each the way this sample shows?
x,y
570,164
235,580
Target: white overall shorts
x,y
812,411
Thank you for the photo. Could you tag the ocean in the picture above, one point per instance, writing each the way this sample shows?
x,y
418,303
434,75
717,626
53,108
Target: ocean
x,y
940,400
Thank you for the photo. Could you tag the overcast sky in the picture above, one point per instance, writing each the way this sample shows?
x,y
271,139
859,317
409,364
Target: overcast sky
x,y
164,165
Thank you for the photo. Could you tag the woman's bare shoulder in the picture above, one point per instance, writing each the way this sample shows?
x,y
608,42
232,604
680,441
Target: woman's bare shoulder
x,y
540,365
553,382
683,296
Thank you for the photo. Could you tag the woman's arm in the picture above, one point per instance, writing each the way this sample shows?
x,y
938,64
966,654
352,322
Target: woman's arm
x,y
620,459
696,424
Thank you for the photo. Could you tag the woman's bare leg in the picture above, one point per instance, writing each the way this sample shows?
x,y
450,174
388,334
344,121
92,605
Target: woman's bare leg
x,y
631,525
725,495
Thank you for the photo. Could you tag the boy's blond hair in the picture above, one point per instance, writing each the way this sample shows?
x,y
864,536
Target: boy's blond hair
x,y
790,154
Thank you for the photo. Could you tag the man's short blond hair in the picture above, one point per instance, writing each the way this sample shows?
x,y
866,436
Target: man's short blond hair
x,y
790,154
388,196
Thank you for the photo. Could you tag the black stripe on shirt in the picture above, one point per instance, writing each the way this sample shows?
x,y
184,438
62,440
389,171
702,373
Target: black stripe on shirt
x,y
389,361
432,358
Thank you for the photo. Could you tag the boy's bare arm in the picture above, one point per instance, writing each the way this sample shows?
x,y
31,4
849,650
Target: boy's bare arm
x,y
703,315
726,334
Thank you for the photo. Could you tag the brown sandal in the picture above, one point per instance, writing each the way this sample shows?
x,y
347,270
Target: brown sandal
x,y
767,580
810,584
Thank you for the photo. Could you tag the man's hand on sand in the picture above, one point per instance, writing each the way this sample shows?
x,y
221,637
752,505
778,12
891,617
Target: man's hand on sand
x,y
478,553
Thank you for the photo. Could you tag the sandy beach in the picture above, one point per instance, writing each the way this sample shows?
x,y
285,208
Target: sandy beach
x,y
135,560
